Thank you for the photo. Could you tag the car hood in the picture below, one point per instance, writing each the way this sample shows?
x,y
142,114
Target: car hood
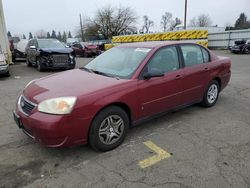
x,y
75,82
56,50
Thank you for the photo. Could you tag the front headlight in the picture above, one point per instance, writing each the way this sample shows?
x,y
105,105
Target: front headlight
x,y
3,63
61,105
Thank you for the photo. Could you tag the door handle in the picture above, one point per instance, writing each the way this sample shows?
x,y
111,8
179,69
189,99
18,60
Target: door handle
x,y
177,77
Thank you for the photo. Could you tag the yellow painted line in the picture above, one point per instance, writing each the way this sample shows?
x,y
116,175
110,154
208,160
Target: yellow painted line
x,y
160,155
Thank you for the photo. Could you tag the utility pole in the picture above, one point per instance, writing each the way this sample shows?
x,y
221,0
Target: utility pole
x,y
81,27
4,46
185,16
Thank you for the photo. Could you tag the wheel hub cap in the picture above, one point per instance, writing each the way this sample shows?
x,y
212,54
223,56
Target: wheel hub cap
x,y
111,129
212,93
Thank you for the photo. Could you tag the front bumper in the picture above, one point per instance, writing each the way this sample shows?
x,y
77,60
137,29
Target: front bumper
x,y
4,69
53,130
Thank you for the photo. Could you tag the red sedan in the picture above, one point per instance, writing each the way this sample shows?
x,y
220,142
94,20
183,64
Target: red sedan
x,y
123,87
85,49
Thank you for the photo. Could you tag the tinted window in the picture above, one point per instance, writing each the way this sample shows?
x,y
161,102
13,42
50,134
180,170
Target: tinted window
x,y
77,46
192,55
165,59
205,55
31,43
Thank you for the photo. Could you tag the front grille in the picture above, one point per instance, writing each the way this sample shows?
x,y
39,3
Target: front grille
x,y
60,59
26,105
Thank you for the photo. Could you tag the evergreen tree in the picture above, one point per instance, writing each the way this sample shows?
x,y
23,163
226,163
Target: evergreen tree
x,y
48,35
64,37
53,35
59,36
241,22
69,35
9,34
30,35
24,37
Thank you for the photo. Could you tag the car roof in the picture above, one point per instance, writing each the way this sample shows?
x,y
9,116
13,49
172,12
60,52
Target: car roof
x,y
152,44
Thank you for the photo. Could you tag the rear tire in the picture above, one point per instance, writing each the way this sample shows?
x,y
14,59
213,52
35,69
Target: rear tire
x,y
108,129
211,95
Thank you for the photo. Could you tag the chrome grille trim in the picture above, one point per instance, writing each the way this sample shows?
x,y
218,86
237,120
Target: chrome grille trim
x,y
25,105
60,59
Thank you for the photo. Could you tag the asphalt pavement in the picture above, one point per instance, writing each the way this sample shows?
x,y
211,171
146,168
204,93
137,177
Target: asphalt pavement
x,y
193,147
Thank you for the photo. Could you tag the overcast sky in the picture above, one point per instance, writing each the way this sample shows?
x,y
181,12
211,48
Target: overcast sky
x,y
23,16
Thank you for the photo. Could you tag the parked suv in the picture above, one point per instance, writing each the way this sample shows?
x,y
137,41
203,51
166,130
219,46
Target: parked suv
x,y
49,54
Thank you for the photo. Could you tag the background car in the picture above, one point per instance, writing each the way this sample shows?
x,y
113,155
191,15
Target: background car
x,y
122,87
241,46
4,67
49,54
19,50
85,49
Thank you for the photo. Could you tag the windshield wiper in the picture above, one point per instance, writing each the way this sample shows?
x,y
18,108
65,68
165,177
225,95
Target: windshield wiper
x,y
98,72
86,69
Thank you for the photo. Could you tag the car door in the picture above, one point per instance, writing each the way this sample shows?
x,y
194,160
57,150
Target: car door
x,y
196,72
160,94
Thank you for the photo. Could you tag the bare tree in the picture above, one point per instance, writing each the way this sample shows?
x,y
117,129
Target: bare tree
x,y
147,23
193,22
175,22
115,21
202,20
41,34
166,20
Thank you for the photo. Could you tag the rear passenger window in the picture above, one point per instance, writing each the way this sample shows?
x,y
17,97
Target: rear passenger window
x,y
192,55
205,55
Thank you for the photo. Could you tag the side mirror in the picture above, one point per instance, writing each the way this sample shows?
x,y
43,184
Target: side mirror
x,y
33,47
153,73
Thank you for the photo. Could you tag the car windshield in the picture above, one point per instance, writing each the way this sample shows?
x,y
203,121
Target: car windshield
x,y
50,44
119,62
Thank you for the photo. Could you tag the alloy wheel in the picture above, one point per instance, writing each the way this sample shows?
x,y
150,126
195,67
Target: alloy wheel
x,y
111,129
212,93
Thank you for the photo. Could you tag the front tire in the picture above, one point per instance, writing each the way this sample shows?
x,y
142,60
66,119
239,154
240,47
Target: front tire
x,y
108,129
39,65
28,63
211,95
7,74
247,50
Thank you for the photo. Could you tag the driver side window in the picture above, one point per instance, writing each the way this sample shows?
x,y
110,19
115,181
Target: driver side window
x,y
165,60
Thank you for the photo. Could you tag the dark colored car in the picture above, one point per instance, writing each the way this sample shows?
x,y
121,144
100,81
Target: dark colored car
x,y
49,54
85,49
122,87
241,46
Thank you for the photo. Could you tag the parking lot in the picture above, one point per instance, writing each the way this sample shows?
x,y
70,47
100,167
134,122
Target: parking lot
x,y
194,147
